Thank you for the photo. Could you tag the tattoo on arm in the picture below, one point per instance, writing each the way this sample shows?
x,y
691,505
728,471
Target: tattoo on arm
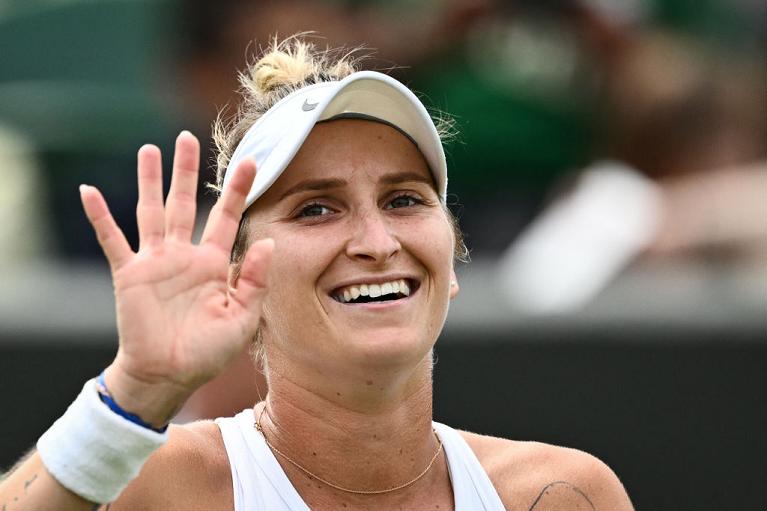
x,y
566,487
27,483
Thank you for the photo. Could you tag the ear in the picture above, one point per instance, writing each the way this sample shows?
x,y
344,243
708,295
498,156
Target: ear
x,y
454,287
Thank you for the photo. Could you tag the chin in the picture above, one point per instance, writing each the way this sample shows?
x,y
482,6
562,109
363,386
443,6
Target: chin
x,y
389,347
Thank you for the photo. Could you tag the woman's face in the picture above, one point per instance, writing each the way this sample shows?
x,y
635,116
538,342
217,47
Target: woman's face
x,y
355,213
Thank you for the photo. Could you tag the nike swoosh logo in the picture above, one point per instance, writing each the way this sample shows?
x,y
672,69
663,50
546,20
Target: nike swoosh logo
x,y
308,107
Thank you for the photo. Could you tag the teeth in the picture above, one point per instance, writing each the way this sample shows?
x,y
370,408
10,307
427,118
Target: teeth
x,y
373,290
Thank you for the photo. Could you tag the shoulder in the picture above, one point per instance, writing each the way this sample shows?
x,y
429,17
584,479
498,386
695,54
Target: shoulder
x,y
191,471
537,476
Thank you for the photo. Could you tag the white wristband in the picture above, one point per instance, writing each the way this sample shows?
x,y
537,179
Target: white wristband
x,y
94,452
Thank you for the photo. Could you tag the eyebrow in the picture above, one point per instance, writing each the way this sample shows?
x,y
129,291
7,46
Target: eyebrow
x,y
402,177
313,185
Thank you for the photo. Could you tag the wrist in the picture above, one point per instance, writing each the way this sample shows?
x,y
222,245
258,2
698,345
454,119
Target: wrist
x,y
154,404
107,399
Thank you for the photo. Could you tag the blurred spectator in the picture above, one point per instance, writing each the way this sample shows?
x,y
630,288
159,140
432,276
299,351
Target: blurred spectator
x,y
685,132
23,203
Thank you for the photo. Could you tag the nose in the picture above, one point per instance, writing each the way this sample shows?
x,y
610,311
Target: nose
x,y
372,239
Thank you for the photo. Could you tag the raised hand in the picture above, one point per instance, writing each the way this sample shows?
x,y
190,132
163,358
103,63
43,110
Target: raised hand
x,y
179,319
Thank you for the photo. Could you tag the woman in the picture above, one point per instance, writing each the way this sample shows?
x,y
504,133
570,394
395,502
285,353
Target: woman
x,y
341,268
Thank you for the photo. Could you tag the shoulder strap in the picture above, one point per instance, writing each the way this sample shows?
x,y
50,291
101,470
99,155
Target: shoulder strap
x,y
472,488
258,479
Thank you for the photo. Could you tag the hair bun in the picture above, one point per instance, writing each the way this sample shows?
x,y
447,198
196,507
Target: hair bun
x,y
284,65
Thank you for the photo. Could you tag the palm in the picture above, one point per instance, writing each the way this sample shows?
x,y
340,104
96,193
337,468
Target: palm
x,y
186,326
178,319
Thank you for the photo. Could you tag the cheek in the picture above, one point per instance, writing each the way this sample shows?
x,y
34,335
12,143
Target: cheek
x,y
298,262
432,244
437,243
287,301
289,276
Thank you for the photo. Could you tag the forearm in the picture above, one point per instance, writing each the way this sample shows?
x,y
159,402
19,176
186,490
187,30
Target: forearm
x,y
30,486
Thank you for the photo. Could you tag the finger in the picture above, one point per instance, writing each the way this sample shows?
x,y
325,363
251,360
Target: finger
x,y
252,282
150,212
225,216
181,206
111,238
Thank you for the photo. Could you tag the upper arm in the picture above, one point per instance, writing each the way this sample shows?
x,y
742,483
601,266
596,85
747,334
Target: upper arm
x,y
532,476
609,492
571,479
190,471
585,482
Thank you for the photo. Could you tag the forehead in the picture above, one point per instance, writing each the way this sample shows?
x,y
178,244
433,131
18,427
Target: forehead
x,y
353,151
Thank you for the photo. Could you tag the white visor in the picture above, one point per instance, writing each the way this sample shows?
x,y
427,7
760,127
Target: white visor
x,y
277,136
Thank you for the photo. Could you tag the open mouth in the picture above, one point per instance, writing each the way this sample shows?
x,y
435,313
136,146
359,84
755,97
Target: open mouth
x,y
375,293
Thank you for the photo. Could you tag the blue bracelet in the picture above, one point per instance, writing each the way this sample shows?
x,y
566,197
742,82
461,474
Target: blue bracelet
x,y
106,398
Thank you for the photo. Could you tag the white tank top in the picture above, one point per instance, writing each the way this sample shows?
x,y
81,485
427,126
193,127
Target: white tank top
x,y
260,484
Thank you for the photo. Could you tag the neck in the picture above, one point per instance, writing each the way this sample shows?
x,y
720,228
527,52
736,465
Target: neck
x,y
358,435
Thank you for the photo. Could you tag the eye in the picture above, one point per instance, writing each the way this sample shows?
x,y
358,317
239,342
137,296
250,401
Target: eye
x,y
314,210
403,201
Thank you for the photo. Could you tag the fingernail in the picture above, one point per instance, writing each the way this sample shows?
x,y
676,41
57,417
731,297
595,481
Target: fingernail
x,y
83,187
185,132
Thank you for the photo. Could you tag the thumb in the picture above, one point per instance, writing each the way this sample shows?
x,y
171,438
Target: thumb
x,y
252,282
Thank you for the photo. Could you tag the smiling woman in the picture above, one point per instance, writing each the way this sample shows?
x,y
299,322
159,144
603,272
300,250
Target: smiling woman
x,y
332,246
